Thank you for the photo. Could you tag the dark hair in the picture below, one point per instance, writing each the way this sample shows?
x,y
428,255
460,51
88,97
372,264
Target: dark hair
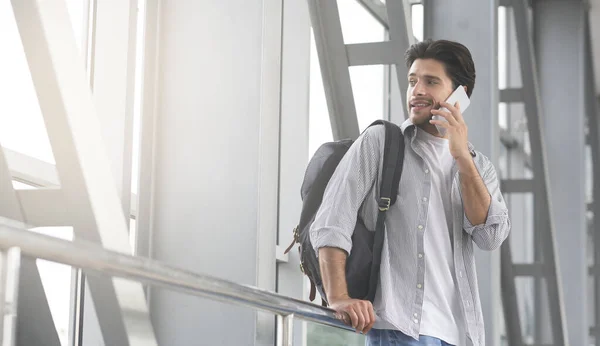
x,y
456,59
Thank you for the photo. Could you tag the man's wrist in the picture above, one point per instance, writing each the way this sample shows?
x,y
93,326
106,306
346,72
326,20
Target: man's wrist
x,y
466,166
337,297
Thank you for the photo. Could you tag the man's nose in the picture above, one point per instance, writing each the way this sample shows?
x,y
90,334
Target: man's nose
x,y
418,89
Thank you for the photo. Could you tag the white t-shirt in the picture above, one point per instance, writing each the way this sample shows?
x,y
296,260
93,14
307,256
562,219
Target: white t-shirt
x,y
442,315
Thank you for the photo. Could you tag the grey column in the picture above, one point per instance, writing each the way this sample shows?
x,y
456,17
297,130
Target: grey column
x,y
207,164
295,81
559,40
473,23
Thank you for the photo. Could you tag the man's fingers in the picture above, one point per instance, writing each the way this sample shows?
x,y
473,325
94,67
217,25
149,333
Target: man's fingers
x,y
454,110
353,317
371,317
361,318
446,115
440,123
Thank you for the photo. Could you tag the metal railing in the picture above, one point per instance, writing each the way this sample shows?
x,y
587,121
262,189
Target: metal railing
x,y
15,242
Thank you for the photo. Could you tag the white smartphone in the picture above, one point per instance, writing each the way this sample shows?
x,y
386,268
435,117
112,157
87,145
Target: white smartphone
x,y
459,95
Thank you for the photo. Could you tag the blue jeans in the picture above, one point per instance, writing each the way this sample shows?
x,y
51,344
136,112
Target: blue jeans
x,y
384,337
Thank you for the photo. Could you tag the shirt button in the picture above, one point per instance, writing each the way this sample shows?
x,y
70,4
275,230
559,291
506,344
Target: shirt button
x,y
424,199
419,286
426,171
420,227
460,274
416,321
421,256
416,315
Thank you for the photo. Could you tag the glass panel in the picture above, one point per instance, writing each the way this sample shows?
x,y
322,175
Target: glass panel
x,y
417,21
591,304
56,279
320,335
22,127
513,66
532,297
521,236
502,45
319,123
525,298
137,102
132,235
589,175
368,89
502,115
17,185
358,25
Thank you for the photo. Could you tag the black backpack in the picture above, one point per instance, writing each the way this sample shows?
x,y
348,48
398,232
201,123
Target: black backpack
x,y
362,266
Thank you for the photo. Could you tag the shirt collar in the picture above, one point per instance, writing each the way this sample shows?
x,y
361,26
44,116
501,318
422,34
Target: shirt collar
x,y
408,124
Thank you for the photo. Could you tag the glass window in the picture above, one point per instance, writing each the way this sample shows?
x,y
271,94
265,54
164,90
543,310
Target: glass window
x,y
358,25
56,279
417,16
22,126
137,103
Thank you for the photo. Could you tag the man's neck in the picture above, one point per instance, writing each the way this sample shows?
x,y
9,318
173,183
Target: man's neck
x,y
430,128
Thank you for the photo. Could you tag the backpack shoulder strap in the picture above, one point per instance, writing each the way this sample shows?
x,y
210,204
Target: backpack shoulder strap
x,y
393,159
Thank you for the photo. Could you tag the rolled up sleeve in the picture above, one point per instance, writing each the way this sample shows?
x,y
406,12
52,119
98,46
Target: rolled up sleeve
x,y
490,235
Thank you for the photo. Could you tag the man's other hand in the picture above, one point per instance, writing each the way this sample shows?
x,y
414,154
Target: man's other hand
x,y
354,312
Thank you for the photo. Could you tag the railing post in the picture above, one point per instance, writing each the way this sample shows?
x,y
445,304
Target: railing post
x,y
10,270
285,330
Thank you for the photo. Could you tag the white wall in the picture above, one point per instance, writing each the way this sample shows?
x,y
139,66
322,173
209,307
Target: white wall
x,y
207,163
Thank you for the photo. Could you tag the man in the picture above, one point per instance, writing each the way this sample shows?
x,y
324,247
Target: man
x,y
449,198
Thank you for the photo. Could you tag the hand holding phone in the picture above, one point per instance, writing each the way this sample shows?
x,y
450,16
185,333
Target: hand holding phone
x,y
459,95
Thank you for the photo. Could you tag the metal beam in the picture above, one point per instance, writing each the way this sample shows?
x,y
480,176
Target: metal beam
x,y
530,269
377,9
515,145
325,19
559,42
511,95
45,207
65,99
517,185
30,170
510,300
593,113
401,40
543,215
372,53
35,325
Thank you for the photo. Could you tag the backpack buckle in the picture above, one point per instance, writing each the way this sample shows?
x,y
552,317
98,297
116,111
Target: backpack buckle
x,y
384,204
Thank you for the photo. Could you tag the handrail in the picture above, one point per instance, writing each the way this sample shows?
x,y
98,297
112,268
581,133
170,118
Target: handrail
x,y
90,256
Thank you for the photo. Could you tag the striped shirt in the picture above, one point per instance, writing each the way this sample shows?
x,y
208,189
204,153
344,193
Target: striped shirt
x,y
354,190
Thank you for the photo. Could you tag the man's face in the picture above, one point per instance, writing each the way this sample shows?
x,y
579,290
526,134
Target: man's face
x,y
428,85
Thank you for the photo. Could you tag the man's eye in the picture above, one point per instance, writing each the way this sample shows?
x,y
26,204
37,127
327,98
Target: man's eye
x,y
432,82
412,82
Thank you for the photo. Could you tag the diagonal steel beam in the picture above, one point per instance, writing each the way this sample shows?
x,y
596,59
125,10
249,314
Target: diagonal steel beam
x,y
325,19
400,27
377,9
593,112
84,169
543,218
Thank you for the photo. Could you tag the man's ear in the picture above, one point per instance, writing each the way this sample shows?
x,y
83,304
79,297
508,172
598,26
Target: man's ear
x,y
466,90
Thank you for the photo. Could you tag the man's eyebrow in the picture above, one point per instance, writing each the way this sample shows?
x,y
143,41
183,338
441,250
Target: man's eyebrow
x,y
426,76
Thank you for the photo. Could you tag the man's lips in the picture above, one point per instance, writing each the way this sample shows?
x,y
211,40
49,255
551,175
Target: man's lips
x,y
420,104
